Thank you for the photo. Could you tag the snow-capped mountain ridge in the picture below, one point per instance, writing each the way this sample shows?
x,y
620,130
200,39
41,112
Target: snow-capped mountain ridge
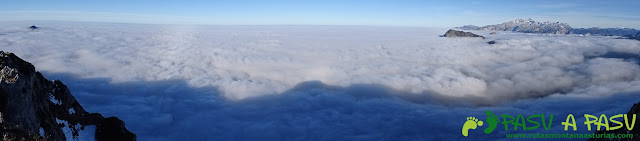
x,y
526,26
531,26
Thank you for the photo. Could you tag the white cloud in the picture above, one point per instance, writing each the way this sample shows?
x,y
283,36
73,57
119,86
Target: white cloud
x,y
259,82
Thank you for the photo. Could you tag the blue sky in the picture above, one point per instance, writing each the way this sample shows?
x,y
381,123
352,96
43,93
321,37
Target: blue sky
x,y
326,12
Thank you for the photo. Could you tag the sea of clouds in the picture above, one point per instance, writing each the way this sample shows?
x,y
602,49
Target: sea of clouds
x,y
175,82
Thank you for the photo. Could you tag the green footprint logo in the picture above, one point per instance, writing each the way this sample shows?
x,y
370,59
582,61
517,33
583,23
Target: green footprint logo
x,y
471,123
492,120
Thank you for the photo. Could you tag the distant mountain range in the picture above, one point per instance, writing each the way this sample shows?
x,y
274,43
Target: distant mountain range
x,y
525,26
530,26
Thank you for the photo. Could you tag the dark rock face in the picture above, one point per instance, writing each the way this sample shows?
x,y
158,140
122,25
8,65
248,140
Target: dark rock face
x,y
491,42
635,109
456,33
112,129
31,105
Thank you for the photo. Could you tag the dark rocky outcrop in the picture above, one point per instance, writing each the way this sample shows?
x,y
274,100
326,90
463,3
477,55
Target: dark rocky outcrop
x,y
456,33
112,129
491,42
635,109
34,108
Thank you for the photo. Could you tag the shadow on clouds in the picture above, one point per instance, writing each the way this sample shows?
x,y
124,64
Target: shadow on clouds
x,y
170,110
173,110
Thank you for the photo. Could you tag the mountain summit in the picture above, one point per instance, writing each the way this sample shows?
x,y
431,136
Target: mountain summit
x,y
34,108
530,26
526,26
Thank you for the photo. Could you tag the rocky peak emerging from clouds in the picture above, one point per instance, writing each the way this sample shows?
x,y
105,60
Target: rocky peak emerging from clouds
x,y
526,26
34,108
456,33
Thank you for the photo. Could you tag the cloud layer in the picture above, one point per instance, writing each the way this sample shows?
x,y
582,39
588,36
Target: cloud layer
x,y
321,82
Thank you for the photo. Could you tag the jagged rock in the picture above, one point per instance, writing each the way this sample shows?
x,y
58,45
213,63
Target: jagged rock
x,y
491,42
30,104
635,109
456,33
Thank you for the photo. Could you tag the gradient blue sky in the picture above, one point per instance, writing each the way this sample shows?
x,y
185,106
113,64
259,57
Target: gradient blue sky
x,y
442,13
